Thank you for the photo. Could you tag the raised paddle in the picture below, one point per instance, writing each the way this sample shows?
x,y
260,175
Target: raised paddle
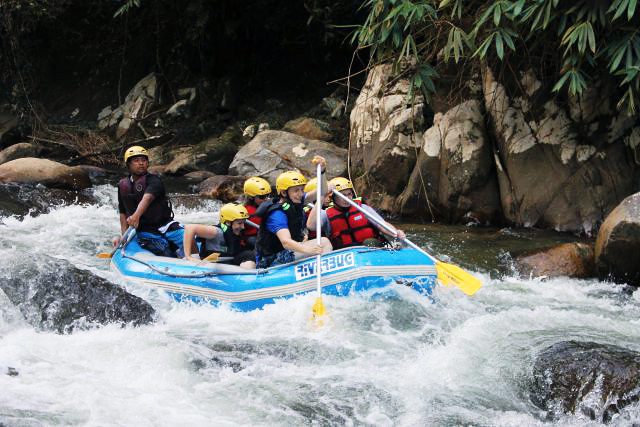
x,y
318,308
126,238
448,274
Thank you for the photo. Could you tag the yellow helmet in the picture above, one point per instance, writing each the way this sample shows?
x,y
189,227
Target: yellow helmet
x,y
341,183
136,150
256,186
232,211
311,185
289,179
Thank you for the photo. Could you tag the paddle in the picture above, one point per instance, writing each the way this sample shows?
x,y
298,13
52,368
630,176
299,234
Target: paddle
x,y
126,238
448,274
318,308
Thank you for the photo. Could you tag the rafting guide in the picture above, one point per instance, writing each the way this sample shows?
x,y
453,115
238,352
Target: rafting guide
x,y
328,264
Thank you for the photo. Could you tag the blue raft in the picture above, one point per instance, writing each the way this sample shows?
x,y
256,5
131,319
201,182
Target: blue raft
x,y
343,272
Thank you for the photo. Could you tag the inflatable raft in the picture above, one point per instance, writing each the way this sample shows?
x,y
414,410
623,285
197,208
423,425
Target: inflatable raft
x,y
343,272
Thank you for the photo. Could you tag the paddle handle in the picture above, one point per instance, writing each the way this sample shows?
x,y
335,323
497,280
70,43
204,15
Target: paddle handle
x,y
382,224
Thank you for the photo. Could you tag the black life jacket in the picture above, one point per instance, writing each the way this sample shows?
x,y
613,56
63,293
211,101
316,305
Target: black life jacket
x,y
268,243
157,214
230,246
350,227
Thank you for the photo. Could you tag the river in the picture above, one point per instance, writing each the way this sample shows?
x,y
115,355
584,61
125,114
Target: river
x,y
404,360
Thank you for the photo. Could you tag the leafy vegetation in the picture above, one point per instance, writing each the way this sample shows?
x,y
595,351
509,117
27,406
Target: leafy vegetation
x,y
573,42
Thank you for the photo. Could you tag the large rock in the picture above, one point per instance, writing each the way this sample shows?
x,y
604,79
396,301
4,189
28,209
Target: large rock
x,y
386,135
454,176
213,155
272,152
559,167
585,378
17,151
139,101
59,297
618,243
46,172
569,259
226,188
309,128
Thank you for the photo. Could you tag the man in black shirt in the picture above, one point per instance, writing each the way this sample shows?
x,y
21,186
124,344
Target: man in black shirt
x,y
143,204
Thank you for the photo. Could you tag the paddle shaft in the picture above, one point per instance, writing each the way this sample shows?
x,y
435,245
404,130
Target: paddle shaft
x,y
382,224
318,222
251,223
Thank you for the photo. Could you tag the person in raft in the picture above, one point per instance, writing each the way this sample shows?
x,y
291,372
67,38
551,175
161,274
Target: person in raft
x,y
347,225
281,234
143,204
256,191
227,239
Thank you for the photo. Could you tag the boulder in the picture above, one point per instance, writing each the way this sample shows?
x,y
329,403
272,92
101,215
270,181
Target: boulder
x,y
225,188
16,151
569,259
59,297
386,134
586,378
213,154
454,175
618,243
46,172
558,167
309,128
198,176
272,152
24,199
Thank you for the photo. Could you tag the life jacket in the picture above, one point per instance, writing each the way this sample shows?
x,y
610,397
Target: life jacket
x,y
157,214
350,227
250,231
268,243
229,246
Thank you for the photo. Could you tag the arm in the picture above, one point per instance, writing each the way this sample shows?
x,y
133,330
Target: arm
x,y
123,228
193,230
134,219
288,243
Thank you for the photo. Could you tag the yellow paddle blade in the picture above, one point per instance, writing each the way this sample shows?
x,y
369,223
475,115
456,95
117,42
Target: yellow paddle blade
x,y
319,312
452,275
213,257
104,255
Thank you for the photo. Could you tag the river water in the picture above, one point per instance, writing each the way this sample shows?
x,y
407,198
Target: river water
x,y
403,359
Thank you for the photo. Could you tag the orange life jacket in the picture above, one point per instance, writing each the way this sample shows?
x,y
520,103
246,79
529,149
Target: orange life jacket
x,y
350,227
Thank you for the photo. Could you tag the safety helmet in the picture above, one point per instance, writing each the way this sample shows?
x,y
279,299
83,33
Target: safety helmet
x,y
256,186
311,185
289,179
340,183
232,211
136,150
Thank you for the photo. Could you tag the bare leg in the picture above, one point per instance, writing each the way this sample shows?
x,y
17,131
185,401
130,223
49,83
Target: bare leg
x,y
248,264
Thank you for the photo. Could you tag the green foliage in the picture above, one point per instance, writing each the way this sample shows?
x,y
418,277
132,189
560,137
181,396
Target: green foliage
x,y
128,4
575,41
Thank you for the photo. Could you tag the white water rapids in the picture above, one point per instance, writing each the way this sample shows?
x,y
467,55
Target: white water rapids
x,y
382,361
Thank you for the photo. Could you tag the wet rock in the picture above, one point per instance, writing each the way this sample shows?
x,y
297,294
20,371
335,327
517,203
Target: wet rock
x,y
60,297
45,172
198,176
618,243
213,154
309,128
569,259
178,109
556,168
12,372
454,176
225,188
592,379
22,199
17,151
385,136
272,152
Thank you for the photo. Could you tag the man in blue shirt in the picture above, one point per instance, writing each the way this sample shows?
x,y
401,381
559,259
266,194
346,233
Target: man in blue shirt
x,y
281,235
